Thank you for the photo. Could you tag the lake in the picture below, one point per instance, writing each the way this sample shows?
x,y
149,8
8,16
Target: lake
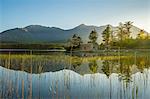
x,y
76,75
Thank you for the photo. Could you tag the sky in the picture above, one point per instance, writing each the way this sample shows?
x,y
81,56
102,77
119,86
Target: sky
x,y
67,14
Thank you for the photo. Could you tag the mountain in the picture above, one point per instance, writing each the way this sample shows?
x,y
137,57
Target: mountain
x,y
35,34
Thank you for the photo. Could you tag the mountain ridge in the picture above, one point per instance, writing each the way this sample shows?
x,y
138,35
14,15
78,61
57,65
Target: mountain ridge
x,y
42,34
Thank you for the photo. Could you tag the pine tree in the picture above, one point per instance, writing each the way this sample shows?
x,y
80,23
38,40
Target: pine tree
x,y
120,32
93,36
124,30
75,41
127,27
107,36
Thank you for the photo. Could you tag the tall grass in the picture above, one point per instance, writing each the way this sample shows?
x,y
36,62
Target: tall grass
x,y
36,64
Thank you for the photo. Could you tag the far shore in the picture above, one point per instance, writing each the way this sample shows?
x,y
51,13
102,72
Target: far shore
x,y
63,50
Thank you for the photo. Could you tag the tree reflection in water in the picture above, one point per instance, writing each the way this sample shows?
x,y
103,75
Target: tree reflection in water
x,y
100,73
93,66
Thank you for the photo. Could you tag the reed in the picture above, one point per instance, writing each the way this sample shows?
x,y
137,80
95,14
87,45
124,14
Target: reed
x,y
35,63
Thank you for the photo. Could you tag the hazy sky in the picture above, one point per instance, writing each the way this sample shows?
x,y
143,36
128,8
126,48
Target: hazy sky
x,y
67,14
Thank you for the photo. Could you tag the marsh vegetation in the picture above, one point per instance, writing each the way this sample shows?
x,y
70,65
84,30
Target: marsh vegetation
x,y
61,74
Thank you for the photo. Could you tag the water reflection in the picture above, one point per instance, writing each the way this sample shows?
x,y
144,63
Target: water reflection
x,y
65,76
67,83
82,65
93,66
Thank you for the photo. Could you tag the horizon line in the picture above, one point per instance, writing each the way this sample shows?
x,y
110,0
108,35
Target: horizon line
x,y
70,27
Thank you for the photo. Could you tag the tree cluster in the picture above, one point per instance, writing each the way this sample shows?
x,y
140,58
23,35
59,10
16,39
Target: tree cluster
x,y
121,38
114,39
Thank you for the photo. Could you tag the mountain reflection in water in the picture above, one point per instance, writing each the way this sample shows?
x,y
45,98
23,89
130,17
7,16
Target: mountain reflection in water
x,y
65,76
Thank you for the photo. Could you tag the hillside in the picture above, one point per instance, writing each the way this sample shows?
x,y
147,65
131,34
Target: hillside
x,y
37,34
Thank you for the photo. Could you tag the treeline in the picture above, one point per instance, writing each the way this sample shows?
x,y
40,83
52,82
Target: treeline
x,y
121,38
31,46
114,39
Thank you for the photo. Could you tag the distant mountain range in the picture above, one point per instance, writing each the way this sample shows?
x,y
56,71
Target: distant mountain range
x,y
36,34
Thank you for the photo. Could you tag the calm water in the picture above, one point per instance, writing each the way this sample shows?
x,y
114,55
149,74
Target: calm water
x,y
78,75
